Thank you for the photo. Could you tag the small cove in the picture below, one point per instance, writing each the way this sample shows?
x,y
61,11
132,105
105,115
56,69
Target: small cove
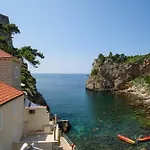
x,y
96,118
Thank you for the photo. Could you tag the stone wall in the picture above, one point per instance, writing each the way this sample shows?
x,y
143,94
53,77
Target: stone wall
x,y
16,74
10,72
4,19
6,71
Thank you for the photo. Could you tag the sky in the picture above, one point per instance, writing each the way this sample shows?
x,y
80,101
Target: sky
x,y
71,33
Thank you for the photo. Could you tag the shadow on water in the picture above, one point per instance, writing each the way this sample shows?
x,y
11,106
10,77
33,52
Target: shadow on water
x,y
109,115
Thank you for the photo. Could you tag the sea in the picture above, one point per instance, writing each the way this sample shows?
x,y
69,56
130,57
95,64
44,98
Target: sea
x,y
96,117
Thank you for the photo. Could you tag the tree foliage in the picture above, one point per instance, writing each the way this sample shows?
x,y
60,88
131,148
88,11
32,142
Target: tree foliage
x,y
101,59
29,54
121,58
137,58
26,53
94,72
110,55
6,34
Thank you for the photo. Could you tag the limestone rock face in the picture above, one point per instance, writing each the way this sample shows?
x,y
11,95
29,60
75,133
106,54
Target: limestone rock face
x,y
113,76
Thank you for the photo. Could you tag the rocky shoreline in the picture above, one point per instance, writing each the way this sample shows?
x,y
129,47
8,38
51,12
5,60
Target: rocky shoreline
x,y
123,75
138,98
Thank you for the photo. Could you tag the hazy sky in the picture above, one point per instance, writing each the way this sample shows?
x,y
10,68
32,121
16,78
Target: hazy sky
x,y
71,33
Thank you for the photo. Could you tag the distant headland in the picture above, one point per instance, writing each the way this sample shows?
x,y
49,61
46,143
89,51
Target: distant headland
x,y
129,75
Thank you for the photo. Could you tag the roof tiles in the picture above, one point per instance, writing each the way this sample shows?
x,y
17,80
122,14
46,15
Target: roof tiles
x,y
3,54
8,93
6,56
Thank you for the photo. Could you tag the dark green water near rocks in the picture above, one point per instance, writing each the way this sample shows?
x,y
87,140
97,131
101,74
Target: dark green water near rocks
x,y
96,118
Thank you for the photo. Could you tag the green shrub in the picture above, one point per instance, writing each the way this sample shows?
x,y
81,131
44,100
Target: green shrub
x,y
110,55
121,58
101,62
136,58
101,56
101,59
94,72
147,79
143,80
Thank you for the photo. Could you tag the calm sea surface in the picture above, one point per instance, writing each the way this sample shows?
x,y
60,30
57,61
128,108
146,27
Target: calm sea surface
x,y
96,118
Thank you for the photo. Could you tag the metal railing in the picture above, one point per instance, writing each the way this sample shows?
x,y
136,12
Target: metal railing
x,y
69,141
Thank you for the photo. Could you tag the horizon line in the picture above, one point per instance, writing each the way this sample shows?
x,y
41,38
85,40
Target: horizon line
x,y
56,73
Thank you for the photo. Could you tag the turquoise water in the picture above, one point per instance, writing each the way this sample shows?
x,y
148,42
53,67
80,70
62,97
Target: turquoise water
x,y
96,118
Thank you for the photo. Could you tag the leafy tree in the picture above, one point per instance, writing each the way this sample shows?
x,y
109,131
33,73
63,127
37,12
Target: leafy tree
x,y
100,56
29,54
6,34
123,57
25,53
110,55
101,59
116,58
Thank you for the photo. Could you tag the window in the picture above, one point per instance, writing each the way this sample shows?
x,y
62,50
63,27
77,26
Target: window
x,y
16,72
1,119
32,111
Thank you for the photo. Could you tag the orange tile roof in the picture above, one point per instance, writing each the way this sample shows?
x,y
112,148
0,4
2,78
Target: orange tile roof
x,y
8,93
3,54
6,56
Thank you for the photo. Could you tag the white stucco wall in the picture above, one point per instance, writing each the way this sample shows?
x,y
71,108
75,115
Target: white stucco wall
x,y
37,120
12,122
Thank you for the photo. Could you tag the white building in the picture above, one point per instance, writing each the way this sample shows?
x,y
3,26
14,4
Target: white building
x,y
19,123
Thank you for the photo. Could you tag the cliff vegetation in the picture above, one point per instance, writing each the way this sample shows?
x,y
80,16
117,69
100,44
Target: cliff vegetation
x,y
119,72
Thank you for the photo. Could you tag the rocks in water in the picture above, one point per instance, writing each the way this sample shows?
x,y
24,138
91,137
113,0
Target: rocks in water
x,y
64,125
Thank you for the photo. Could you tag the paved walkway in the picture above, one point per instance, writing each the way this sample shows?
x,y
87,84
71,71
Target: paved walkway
x,y
41,137
64,144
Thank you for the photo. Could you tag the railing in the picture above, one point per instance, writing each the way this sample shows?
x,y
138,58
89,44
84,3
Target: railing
x,y
69,141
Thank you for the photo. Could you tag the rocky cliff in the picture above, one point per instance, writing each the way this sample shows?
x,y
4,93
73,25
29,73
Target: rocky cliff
x,y
118,72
